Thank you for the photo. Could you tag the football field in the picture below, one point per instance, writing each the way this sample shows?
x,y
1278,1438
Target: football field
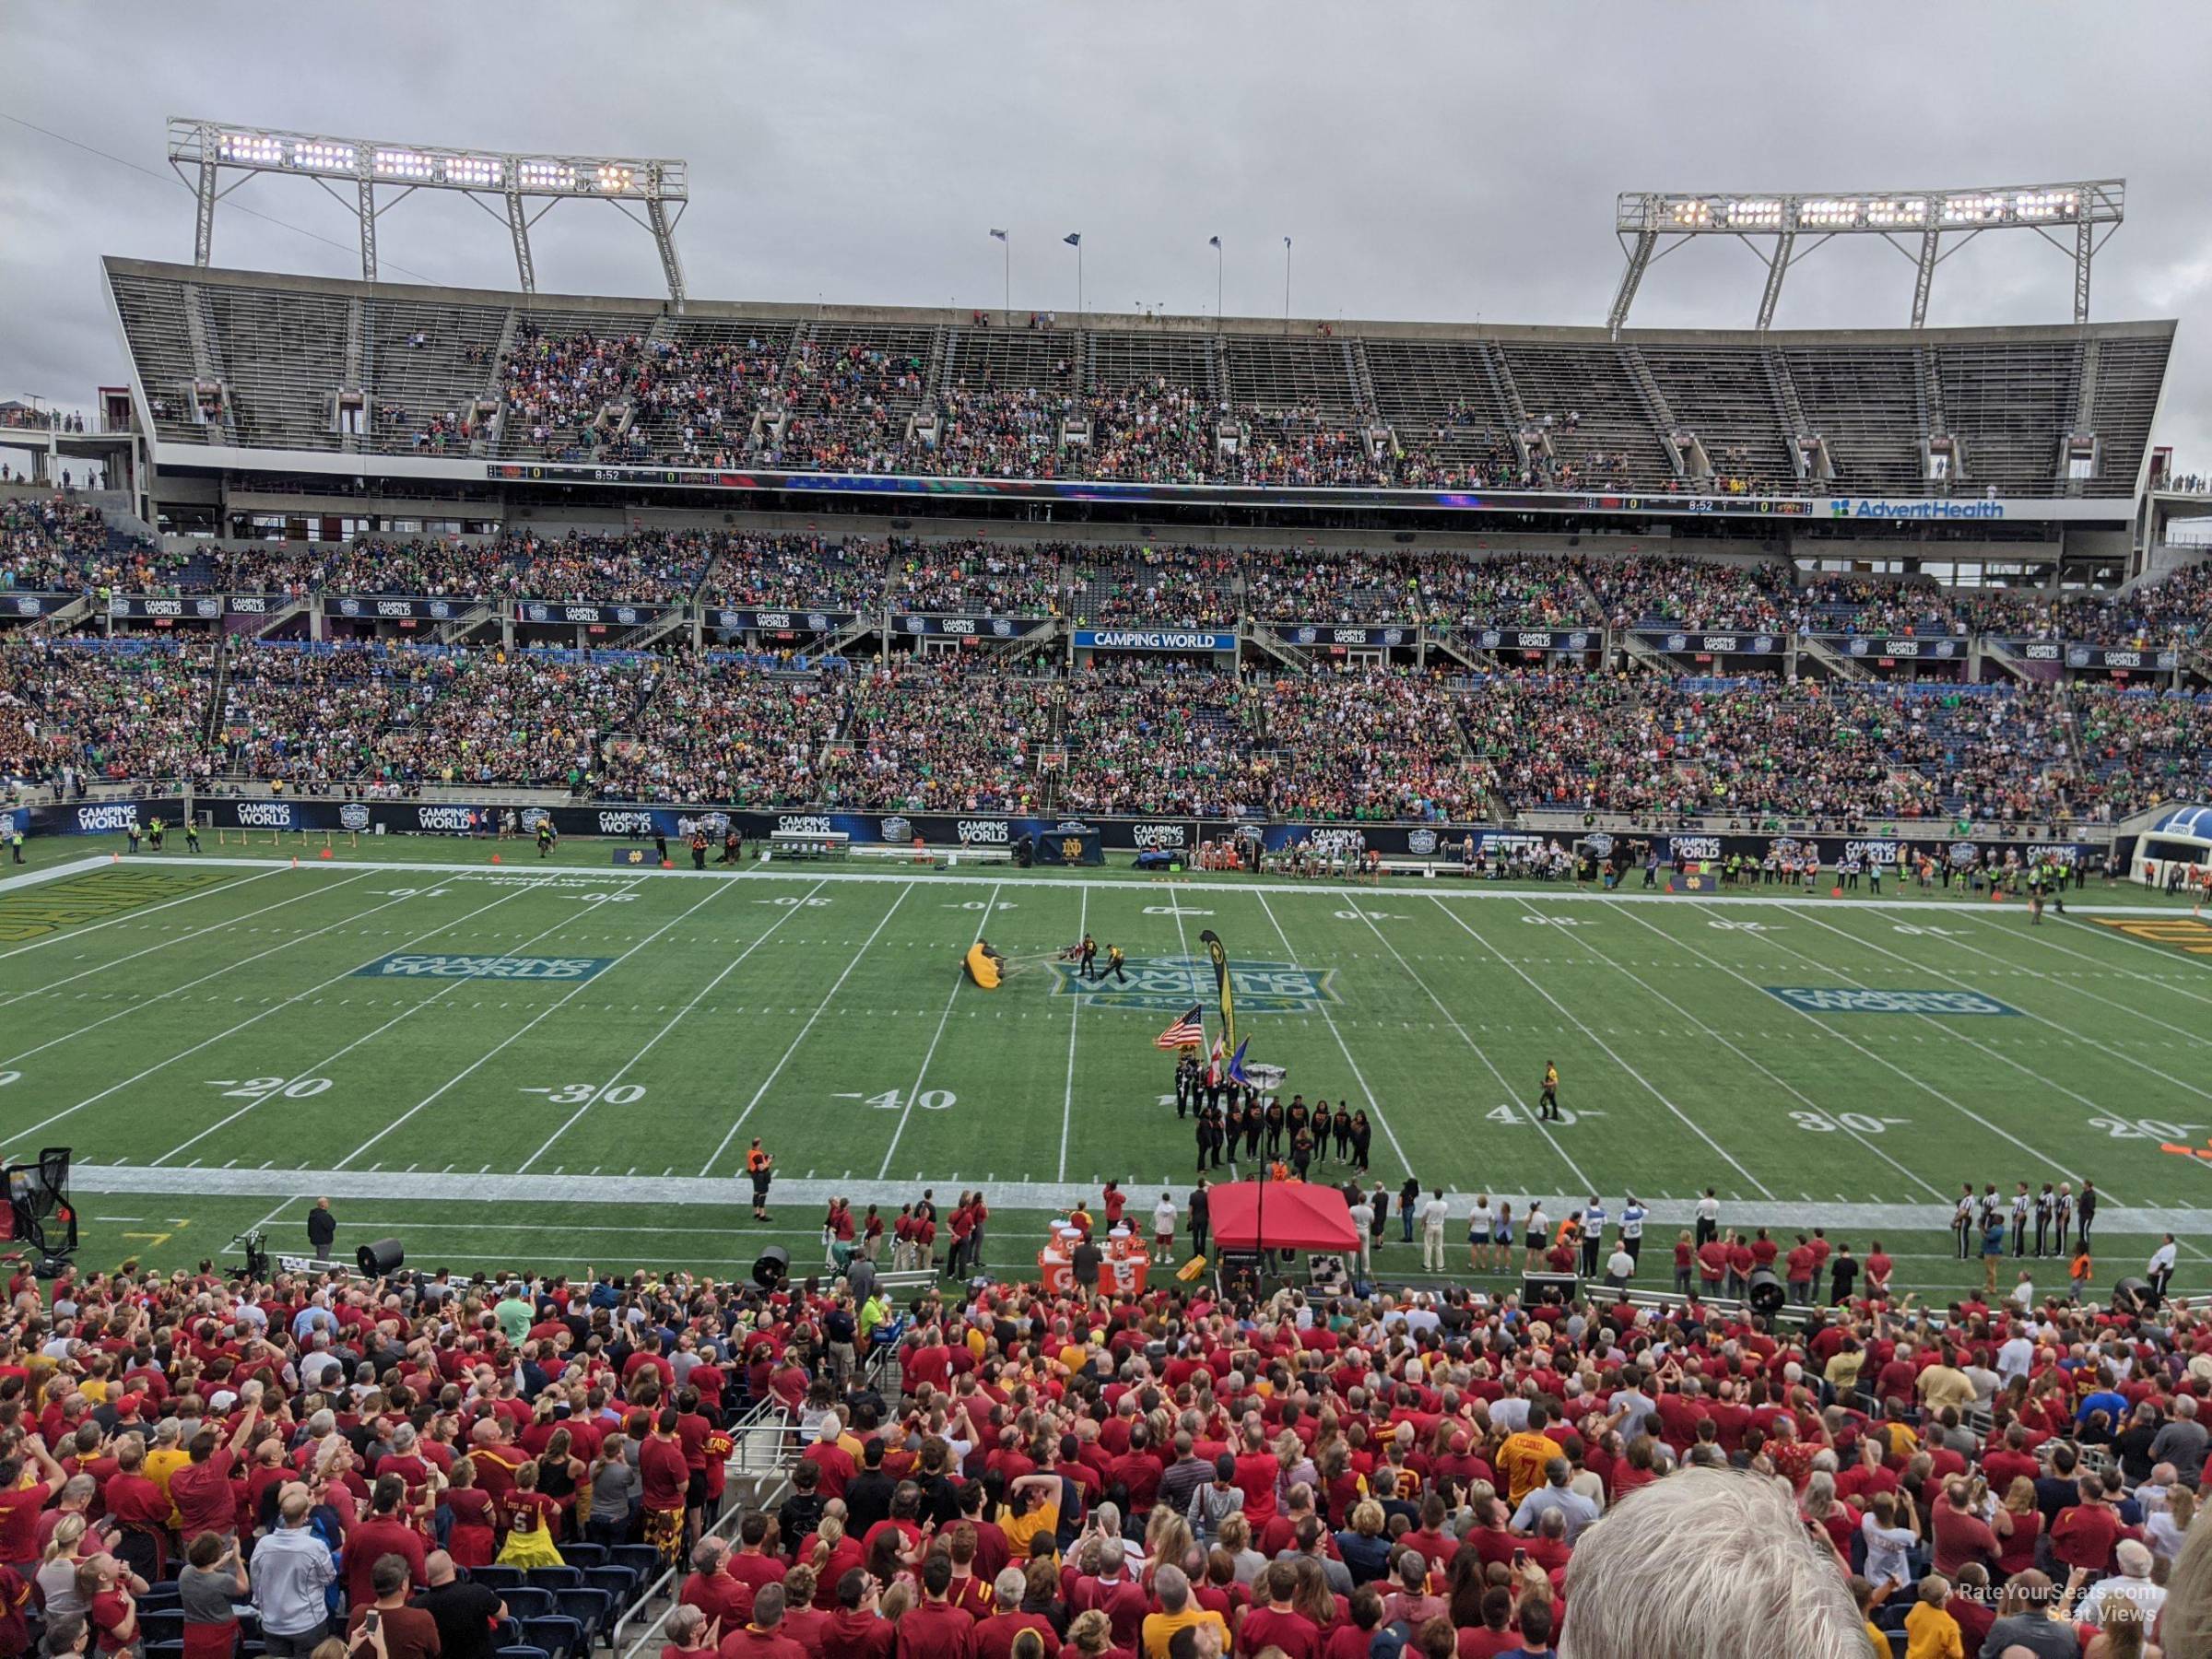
x,y
562,1063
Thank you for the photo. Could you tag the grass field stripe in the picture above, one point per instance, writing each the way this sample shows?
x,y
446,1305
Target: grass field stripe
x,y
148,1001
776,1070
1075,1013
674,1020
254,1019
1629,1071
2066,1035
407,1013
1512,1093
958,980
1957,1036
135,915
1850,1041
1329,1019
197,932
2174,958
1757,1065
2034,937
1478,892
509,1040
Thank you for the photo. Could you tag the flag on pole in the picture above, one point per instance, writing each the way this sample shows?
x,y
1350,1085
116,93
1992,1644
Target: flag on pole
x,y
1001,235
1185,1032
1074,239
1213,242
1236,1065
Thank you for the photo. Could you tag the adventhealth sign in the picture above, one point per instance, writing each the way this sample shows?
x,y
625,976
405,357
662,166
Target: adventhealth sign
x,y
1853,999
1917,510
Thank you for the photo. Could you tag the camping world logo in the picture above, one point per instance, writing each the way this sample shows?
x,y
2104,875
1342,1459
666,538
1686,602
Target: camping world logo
x,y
1170,984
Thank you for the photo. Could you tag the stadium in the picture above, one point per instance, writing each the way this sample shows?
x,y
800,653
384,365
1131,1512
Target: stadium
x,y
603,830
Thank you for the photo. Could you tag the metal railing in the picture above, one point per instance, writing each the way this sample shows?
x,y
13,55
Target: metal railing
x,y
764,1445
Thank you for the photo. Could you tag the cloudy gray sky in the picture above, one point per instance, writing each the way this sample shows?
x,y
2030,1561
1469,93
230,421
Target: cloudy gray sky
x,y
1430,161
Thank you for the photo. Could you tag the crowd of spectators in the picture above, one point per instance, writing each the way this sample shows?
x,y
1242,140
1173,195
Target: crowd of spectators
x,y
977,578
308,719
1369,745
1178,587
57,545
716,730
2142,748
557,385
76,712
1324,586
1183,1473
1164,739
490,716
1659,591
1848,751
942,735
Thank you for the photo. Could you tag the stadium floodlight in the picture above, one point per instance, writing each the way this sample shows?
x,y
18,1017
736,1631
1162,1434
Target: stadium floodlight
x,y
1641,218
643,188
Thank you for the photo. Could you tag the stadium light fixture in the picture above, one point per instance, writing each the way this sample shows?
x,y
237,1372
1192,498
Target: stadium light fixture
x,y
650,191
2094,209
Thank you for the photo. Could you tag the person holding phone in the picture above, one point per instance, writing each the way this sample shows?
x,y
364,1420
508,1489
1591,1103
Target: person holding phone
x,y
389,1628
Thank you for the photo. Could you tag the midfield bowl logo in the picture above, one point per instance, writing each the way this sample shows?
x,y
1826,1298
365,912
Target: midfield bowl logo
x,y
1170,984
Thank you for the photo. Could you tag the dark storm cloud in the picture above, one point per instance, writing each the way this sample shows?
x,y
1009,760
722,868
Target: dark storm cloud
x,y
1433,161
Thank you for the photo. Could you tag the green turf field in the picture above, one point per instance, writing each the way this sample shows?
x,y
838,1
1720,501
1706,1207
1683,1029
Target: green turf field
x,y
222,1040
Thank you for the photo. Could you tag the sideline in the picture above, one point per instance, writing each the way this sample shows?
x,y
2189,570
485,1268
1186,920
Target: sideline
x,y
659,1191
1442,890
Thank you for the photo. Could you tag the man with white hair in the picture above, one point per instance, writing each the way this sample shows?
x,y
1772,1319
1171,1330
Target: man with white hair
x,y
1707,1561
2133,1585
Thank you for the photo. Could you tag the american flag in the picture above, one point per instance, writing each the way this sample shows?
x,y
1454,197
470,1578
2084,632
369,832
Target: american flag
x,y
1185,1033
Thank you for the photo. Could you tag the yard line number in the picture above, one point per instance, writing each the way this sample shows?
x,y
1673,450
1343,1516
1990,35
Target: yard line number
x,y
929,1099
583,1094
255,1089
1850,1122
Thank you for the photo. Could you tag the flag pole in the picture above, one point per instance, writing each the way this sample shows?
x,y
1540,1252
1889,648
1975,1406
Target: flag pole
x,y
1286,285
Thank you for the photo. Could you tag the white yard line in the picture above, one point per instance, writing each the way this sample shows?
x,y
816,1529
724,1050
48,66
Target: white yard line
x,y
509,1040
444,990
1358,1077
1626,1069
163,945
2067,1034
1068,1099
2165,953
469,1191
1752,1061
77,866
1957,1036
130,1008
252,1019
776,1070
1510,1092
137,913
652,1042
1849,1041
959,979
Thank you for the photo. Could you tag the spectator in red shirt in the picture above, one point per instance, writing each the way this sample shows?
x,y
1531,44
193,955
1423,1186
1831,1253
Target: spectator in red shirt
x,y
1962,1536
935,1629
762,1636
663,1479
21,1504
2086,1534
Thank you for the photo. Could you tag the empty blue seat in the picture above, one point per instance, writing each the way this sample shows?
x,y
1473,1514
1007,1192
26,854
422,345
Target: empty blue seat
x,y
583,1555
554,1578
560,1636
594,1610
527,1601
498,1578
641,1559
619,1582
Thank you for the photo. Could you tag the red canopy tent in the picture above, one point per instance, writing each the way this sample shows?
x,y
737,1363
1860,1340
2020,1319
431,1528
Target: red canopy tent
x,y
1300,1216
